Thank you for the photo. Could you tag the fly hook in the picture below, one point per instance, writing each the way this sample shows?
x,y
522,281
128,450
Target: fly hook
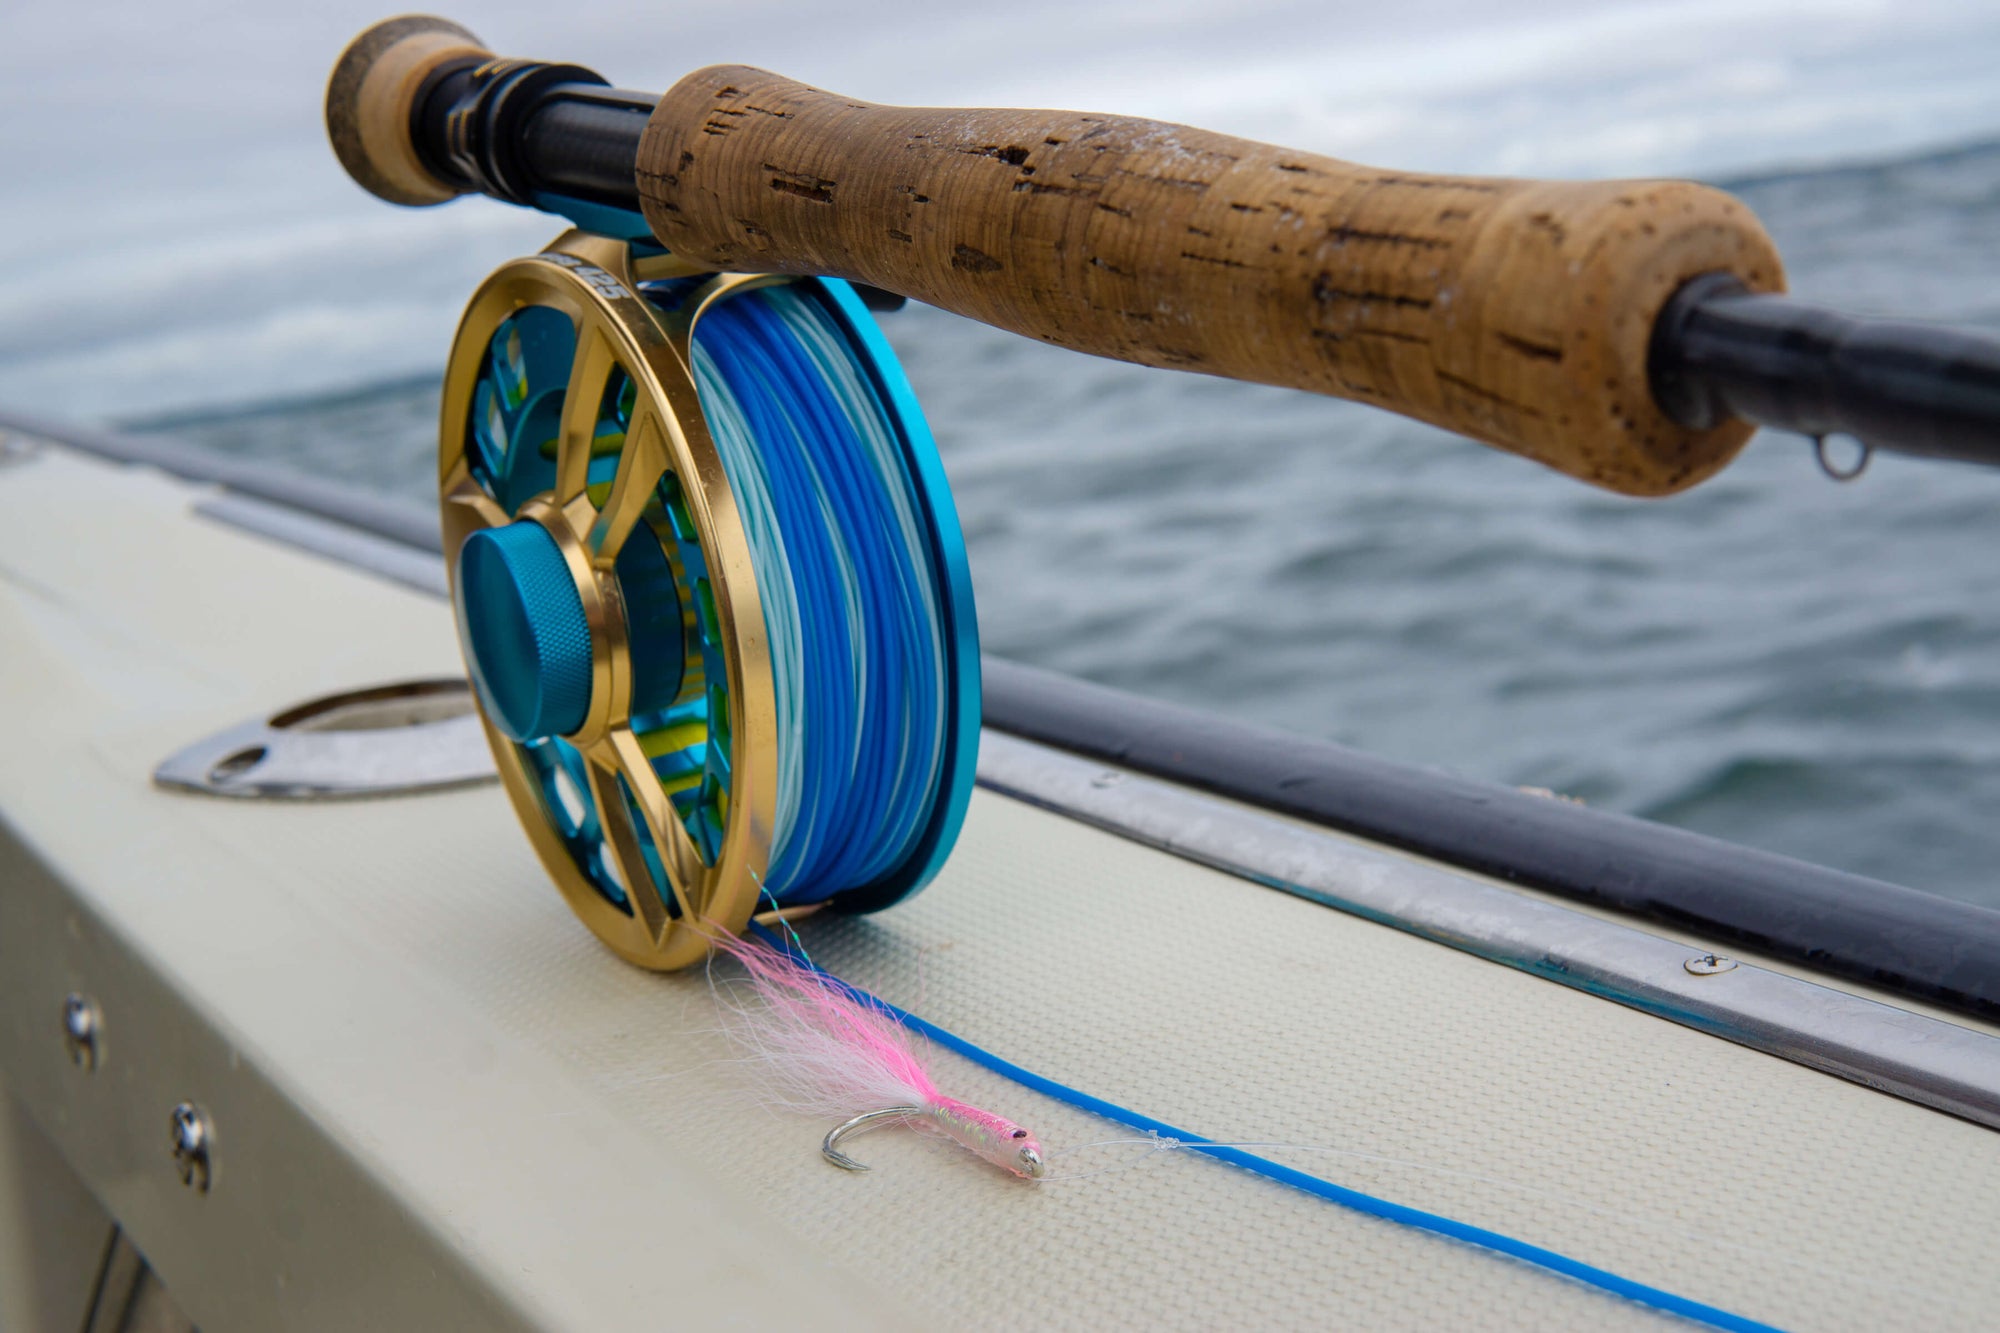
x,y
830,1146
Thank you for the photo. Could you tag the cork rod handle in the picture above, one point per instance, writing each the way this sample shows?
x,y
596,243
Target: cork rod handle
x,y
1515,312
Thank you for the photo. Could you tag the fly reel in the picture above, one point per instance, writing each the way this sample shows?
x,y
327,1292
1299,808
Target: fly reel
x,y
711,591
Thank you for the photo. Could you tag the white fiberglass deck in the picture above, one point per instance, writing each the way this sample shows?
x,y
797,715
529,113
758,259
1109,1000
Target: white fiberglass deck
x,y
440,1103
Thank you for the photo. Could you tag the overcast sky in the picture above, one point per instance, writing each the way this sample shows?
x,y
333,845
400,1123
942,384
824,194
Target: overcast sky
x,y
177,232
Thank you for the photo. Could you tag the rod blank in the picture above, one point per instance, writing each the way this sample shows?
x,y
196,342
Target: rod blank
x,y
1722,352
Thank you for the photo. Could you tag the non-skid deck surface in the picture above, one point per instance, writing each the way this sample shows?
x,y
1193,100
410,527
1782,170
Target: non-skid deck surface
x,y
578,1130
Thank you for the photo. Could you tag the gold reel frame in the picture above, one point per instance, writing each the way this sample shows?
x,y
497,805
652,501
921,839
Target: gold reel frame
x,y
594,280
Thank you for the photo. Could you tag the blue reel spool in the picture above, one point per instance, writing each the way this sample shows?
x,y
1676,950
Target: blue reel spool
x,y
711,590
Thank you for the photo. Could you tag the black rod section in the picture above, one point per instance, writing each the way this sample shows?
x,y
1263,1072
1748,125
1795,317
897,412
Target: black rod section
x,y
582,142
517,128
1720,351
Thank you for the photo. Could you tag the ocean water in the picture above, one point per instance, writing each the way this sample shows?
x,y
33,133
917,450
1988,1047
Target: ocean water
x,y
1774,658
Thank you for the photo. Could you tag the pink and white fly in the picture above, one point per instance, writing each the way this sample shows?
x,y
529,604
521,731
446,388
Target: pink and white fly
x,y
823,1052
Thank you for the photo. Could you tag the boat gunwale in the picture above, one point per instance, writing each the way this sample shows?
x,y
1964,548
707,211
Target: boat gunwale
x,y
1938,950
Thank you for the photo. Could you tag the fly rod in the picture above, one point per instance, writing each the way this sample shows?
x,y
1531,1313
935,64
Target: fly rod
x,y
1629,333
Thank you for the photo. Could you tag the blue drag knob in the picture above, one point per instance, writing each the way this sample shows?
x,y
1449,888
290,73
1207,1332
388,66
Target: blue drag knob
x,y
521,622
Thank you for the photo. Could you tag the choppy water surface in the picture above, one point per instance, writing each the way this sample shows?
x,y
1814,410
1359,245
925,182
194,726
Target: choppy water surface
x,y
1773,658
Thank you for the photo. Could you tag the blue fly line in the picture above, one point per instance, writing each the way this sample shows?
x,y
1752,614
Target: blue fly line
x,y
848,585
1576,1269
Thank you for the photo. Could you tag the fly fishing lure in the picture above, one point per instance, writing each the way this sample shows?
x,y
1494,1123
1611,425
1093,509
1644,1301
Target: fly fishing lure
x,y
823,1050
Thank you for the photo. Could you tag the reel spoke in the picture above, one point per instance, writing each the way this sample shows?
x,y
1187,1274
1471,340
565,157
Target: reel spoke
x,y
640,467
620,751
469,495
582,404
649,913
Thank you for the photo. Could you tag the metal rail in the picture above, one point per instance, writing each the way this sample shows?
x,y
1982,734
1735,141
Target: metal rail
x,y
1924,1060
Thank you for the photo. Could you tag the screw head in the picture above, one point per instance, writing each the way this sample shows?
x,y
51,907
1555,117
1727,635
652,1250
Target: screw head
x,y
192,1137
1708,964
83,1024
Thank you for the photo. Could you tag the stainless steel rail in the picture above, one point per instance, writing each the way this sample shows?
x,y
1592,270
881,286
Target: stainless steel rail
x,y
1921,1059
